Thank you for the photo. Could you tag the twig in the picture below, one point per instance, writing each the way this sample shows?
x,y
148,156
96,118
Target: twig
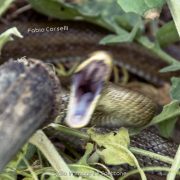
x,y
21,10
175,166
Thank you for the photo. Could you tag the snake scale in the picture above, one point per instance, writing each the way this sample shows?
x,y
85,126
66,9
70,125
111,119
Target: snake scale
x,y
73,45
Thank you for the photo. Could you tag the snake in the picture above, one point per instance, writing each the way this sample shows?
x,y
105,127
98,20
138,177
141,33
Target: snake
x,y
117,106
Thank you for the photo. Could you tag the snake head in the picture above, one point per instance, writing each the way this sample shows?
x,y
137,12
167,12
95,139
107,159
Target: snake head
x,y
87,84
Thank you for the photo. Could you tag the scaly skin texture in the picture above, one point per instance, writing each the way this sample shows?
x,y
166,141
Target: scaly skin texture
x,y
74,45
119,106
148,139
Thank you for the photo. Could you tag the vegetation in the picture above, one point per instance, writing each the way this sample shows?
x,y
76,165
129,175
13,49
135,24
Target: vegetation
x,y
126,20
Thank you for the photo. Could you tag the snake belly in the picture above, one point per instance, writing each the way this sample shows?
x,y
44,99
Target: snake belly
x,y
73,46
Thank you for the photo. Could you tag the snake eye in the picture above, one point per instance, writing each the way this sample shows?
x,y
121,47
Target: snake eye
x,y
87,84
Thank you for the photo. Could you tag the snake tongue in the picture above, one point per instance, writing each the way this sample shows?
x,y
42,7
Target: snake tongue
x,y
87,84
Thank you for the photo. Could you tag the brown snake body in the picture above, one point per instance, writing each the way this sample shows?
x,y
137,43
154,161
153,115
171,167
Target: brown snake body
x,y
73,45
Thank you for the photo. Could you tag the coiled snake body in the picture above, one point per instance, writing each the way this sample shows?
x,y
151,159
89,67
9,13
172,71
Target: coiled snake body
x,y
72,46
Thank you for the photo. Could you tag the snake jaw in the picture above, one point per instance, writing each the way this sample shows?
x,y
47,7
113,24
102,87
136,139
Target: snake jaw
x,y
88,82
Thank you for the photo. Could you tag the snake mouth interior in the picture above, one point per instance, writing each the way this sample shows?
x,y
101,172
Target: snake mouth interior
x,y
86,88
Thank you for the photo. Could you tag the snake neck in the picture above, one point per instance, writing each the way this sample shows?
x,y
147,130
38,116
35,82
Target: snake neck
x,y
117,107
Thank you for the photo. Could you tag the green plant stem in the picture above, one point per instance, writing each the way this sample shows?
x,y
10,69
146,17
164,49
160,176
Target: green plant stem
x,y
24,173
174,6
159,157
94,158
147,43
40,140
45,170
105,168
4,5
6,177
141,172
153,168
30,169
85,136
97,174
167,34
175,166
144,41
69,131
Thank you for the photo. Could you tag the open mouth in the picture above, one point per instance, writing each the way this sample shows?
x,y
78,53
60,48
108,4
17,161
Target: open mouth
x,y
87,85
